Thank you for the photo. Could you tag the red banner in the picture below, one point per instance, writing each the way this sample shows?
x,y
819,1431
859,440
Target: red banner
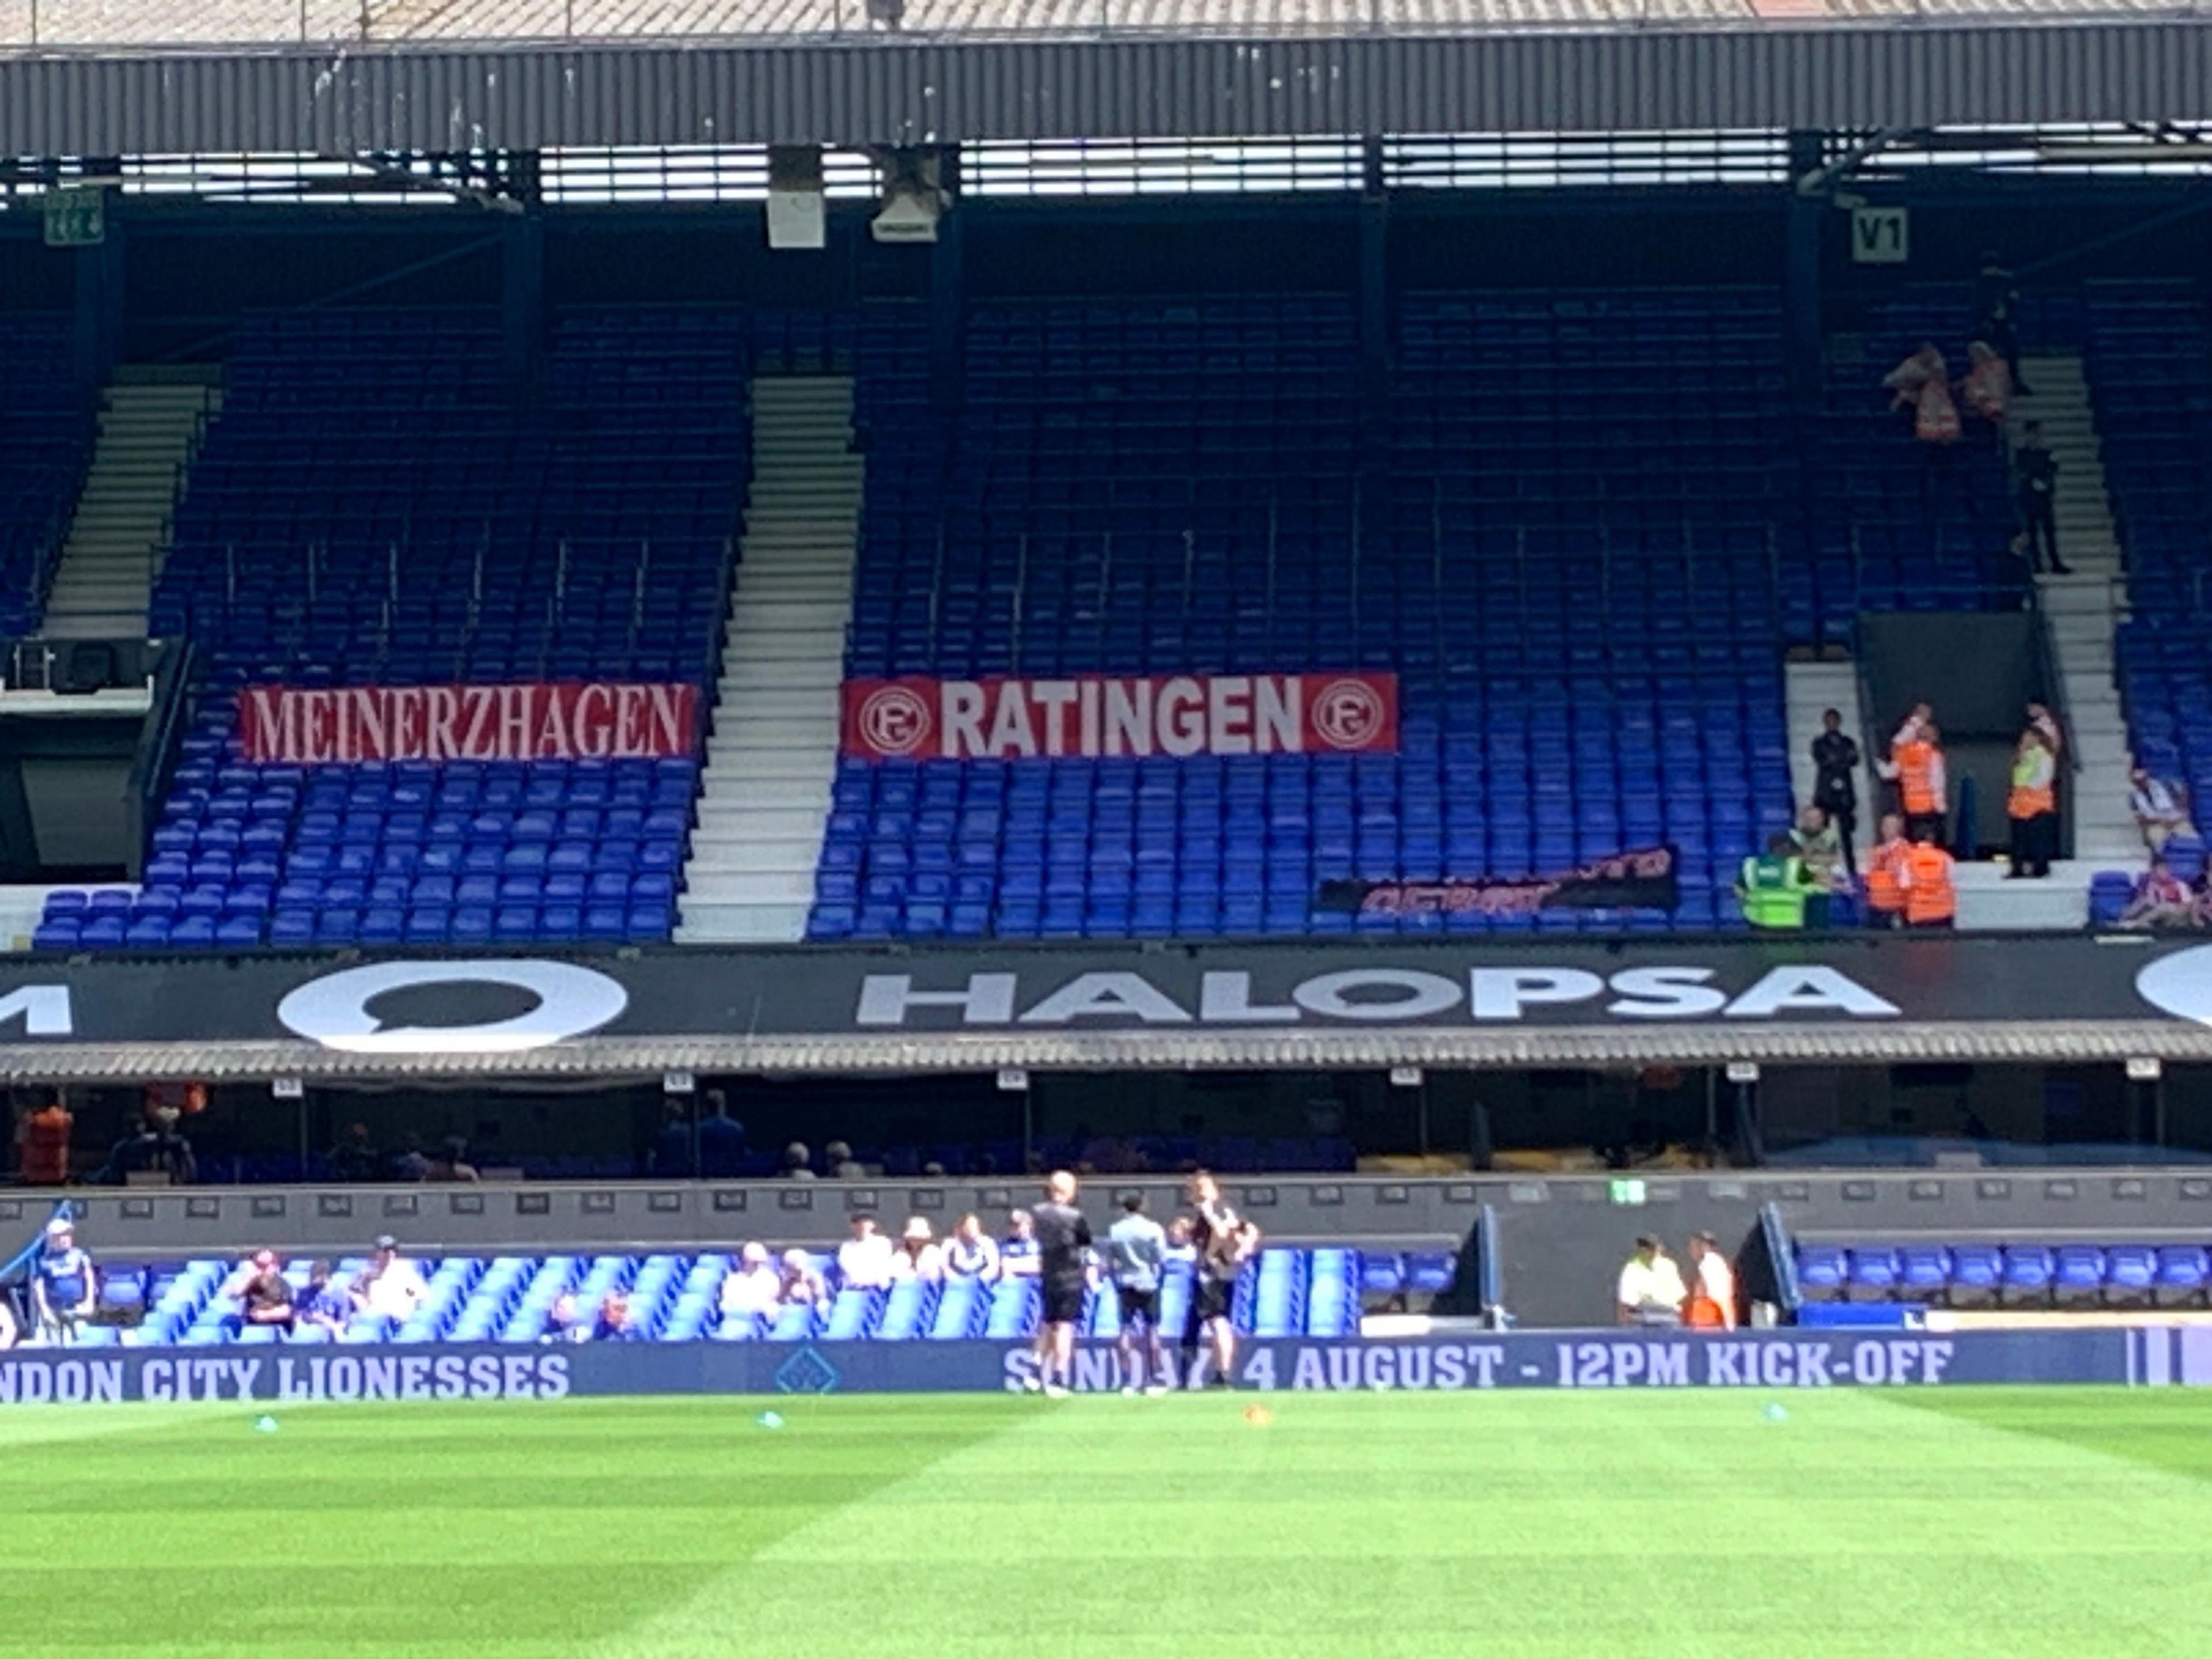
x,y
571,721
1095,715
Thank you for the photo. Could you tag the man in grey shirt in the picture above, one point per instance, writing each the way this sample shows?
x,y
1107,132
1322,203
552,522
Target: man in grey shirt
x,y
1063,1239
1136,1253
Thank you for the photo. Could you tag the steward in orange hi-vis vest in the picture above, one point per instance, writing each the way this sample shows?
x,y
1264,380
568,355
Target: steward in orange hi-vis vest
x,y
1713,1286
1931,897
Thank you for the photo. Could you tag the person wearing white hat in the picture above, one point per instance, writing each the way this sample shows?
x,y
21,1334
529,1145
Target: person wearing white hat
x,y
62,1287
752,1286
919,1255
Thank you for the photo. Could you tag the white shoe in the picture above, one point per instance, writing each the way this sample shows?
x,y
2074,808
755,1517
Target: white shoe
x,y
1054,1391
1128,1391
1030,1384
1156,1390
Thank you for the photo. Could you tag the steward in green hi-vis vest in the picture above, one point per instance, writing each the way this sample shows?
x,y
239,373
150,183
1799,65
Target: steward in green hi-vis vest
x,y
1772,888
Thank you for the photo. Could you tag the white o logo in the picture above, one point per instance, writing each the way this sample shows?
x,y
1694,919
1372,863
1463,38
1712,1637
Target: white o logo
x,y
894,721
2180,984
333,1010
1347,713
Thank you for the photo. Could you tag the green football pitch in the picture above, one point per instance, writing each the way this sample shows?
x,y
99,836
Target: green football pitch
x,y
2075,1524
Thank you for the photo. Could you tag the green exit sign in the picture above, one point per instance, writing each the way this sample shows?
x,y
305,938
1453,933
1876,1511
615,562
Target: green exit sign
x,y
76,215
1627,1192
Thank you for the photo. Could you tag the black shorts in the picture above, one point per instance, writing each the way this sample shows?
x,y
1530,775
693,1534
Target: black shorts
x,y
1210,1298
1063,1301
1138,1307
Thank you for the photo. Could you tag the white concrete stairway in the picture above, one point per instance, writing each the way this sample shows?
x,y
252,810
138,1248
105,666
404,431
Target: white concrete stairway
x,y
1809,691
2083,610
773,757
150,422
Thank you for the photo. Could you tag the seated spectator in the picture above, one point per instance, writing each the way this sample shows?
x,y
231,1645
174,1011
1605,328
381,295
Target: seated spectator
x,y
843,1165
1819,847
355,1160
563,1323
266,1299
919,1256
798,1162
617,1322
752,1286
2162,899
971,1253
452,1163
62,1287
2157,805
42,1141
1018,1254
1182,1244
864,1260
391,1287
797,1284
322,1304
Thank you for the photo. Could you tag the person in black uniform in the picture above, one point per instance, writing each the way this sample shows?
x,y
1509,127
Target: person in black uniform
x,y
1224,1241
1835,759
2035,498
1063,1239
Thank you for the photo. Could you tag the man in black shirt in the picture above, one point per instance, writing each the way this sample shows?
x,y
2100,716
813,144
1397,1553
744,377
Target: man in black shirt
x,y
1063,1240
1835,759
2035,496
1224,1241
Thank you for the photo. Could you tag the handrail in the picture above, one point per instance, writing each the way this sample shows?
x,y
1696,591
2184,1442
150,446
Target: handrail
x,y
154,762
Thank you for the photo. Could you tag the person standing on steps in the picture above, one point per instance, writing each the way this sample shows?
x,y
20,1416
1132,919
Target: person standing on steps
x,y
1835,762
2032,805
2035,499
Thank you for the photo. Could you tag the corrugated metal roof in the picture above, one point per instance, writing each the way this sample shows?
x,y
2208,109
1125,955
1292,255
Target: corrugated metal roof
x,y
129,99
2040,1042
351,25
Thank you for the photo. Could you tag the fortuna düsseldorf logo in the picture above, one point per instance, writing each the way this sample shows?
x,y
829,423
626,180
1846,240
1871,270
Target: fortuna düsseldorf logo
x,y
1347,713
895,720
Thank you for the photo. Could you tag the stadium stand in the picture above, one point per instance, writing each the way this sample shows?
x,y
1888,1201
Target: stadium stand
x,y
371,509
1572,575
1285,1291
1898,524
45,440
2152,380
